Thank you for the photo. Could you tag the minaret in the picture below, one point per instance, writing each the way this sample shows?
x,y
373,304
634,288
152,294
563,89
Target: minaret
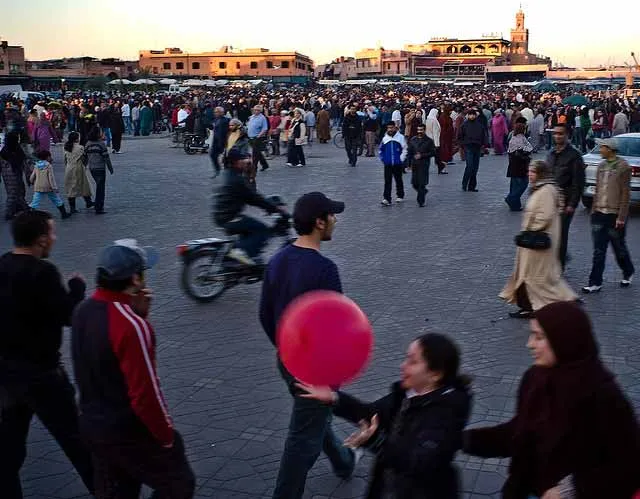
x,y
520,36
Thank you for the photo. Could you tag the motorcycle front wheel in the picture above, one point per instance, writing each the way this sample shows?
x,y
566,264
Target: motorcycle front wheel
x,y
188,147
202,278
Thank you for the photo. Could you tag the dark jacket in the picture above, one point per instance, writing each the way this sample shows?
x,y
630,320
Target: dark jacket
x,y
116,123
114,363
518,163
415,443
425,146
473,133
98,156
220,132
34,306
601,449
233,195
352,127
568,168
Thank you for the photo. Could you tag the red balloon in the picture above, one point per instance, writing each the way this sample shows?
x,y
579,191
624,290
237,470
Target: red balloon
x,y
324,338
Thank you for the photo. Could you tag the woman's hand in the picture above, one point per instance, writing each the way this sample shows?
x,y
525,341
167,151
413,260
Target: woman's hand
x,y
553,493
362,436
322,394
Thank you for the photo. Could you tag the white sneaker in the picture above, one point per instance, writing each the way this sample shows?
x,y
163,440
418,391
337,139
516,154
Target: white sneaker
x,y
384,202
289,164
591,289
241,256
400,200
625,283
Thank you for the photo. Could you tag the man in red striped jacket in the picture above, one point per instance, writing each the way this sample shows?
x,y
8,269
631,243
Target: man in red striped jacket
x,y
124,417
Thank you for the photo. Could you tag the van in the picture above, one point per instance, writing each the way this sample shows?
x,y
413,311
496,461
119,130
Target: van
x,y
177,89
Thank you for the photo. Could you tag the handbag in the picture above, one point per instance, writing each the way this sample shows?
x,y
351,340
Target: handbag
x,y
533,240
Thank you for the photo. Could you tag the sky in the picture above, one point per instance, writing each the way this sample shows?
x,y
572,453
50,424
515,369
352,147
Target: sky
x,y
322,30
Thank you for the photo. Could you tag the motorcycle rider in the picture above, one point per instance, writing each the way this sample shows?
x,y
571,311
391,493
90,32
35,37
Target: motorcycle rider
x,y
229,202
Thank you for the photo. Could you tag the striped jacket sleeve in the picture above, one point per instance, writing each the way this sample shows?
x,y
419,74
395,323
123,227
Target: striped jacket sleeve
x,y
133,343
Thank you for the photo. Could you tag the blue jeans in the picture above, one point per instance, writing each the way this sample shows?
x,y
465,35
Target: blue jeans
x,y
53,196
603,232
472,158
253,234
127,124
309,433
516,190
107,136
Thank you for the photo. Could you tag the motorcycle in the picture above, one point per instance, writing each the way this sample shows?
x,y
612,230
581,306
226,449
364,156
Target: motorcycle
x,y
208,271
194,143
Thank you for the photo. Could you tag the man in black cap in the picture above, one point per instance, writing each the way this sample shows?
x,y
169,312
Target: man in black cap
x,y
473,136
34,307
293,271
124,416
230,200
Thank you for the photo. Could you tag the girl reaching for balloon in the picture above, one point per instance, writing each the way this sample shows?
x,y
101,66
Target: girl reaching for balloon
x,y
416,429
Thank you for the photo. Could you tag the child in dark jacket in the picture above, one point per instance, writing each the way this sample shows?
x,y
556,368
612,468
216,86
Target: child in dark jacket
x,y
416,430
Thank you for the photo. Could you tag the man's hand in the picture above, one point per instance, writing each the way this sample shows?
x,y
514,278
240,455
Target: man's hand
x,y
620,224
417,155
141,302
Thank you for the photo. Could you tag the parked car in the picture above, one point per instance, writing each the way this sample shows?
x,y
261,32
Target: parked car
x,y
629,149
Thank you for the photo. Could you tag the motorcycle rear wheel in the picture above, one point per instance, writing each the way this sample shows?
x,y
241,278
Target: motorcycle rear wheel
x,y
200,280
188,147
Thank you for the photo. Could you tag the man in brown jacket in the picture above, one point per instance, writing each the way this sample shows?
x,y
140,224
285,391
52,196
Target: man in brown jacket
x,y
609,215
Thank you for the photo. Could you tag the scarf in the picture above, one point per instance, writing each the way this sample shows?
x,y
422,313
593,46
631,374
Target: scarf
x,y
12,152
519,143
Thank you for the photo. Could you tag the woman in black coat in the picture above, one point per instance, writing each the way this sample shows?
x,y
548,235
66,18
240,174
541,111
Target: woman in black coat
x,y
574,434
117,127
414,431
519,150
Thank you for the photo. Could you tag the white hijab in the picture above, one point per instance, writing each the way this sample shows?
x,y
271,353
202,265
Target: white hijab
x,y
432,127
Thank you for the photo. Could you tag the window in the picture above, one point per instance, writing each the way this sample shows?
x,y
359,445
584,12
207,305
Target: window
x,y
129,68
285,65
254,65
14,68
195,65
222,65
237,64
155,70
389,67
179,65
166,65
269,64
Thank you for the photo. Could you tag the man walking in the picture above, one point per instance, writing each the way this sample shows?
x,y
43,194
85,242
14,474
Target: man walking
x,y
609,215
126,117
219,139
257,129
473,136
34,306
293,271
568,169
392,153
124,416
352,133
421,150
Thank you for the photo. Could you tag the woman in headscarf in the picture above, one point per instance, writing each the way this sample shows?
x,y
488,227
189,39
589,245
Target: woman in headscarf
x,y
574,434
13,168
499,131
43,134
537,279
519,157
433,131
76,182
446,135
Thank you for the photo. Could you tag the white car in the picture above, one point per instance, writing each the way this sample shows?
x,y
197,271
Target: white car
x,y
629,149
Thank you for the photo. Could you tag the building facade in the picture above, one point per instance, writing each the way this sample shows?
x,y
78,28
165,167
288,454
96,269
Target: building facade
x,y
250,63
12,63
82,67
382,62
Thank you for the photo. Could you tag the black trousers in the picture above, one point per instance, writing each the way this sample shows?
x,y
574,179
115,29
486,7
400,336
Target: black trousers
x,y
603,232
295,154
565,224
100,176
214,153
124,462
26,391
420,180
352,145
393,173
257,152
116,139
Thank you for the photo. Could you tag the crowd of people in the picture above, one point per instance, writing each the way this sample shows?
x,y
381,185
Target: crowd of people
x,y
574,433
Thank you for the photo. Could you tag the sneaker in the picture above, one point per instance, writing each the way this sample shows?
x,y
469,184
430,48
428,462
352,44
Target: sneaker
x,y
289,164
626,281
299,165
241,256
384,202
399,200
587,290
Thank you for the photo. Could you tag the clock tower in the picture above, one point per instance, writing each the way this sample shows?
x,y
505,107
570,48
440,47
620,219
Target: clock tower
x,y
520,36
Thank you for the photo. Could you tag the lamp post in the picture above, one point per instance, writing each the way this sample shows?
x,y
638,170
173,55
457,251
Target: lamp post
x,y
62,80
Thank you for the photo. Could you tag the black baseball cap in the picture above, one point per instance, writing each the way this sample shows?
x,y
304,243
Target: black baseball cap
x,y
125,258
313,205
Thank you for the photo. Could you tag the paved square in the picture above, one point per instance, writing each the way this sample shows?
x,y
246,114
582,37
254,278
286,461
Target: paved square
x,y
412,270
